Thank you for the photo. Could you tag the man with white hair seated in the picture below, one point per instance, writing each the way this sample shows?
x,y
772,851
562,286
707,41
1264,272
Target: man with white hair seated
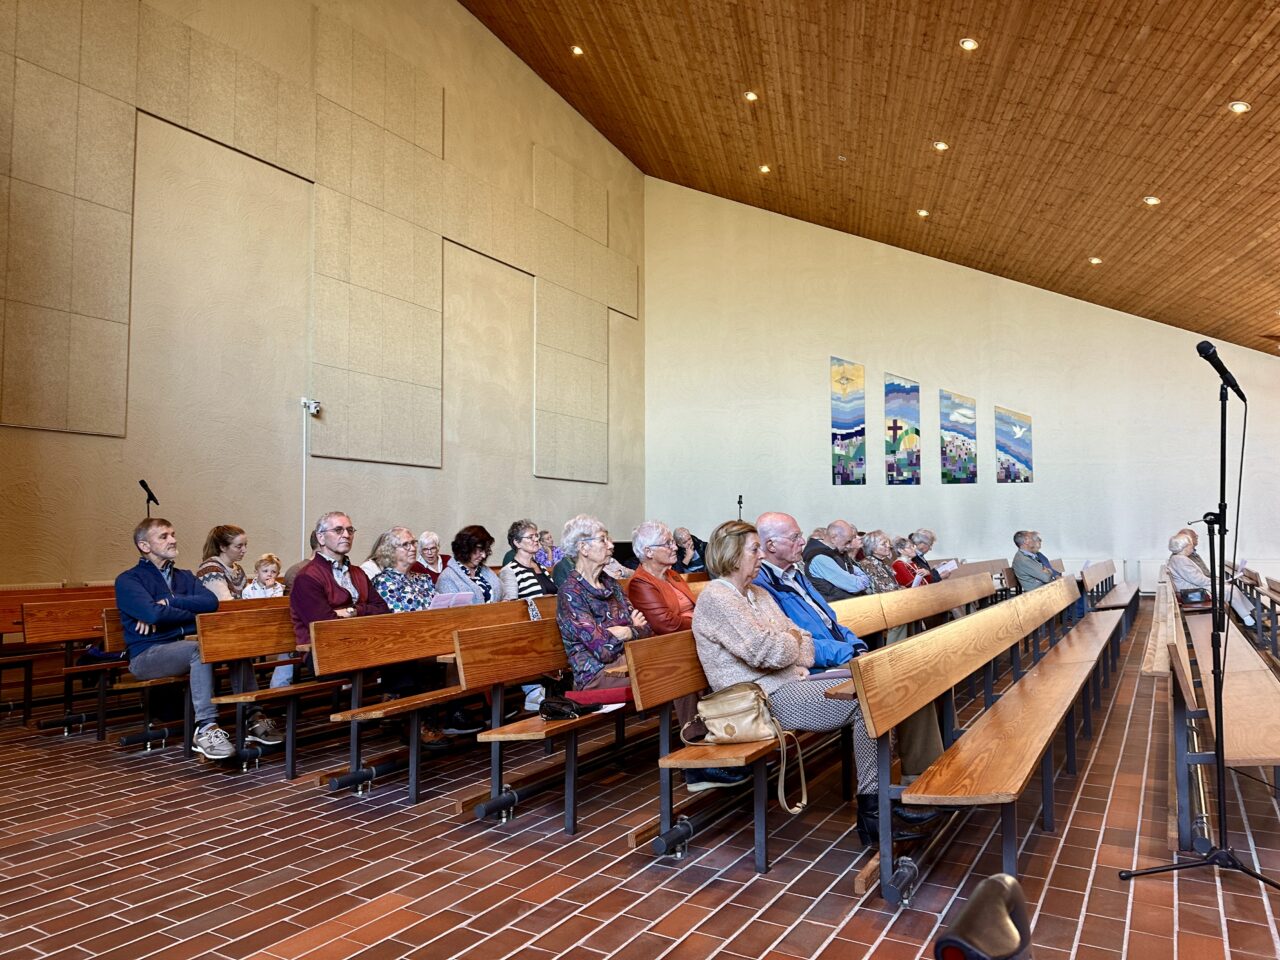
x,y
830,565
1187,575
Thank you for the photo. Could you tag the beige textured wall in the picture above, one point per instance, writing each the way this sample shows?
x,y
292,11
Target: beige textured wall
x,y
1124,412
450,183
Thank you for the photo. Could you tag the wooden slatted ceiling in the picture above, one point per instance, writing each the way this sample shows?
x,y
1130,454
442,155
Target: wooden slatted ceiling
x,y
1069,112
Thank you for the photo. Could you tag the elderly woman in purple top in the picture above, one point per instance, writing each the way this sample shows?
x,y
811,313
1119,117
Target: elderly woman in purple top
x,y
592,611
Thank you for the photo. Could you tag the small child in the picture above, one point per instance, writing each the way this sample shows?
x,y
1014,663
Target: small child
x,y
264,582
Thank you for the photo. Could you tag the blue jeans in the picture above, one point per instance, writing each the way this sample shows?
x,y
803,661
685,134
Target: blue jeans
x,y
176,657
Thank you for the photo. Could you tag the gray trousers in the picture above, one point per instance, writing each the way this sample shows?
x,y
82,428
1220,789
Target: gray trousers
x,y
803,705
176,657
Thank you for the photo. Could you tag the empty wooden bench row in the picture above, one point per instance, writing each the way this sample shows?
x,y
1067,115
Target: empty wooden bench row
x,y
992,760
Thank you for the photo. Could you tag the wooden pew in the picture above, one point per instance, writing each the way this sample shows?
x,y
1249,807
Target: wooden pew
x,y
239,633
149,735
880,611
1098,583
992,763
1164,622
357,644
12,599
67,622
1259,592
497,656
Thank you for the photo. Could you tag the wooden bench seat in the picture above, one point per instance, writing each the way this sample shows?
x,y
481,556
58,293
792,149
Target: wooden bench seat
x,y
1098,581
149,735
702,756
497,656
992,761
353,646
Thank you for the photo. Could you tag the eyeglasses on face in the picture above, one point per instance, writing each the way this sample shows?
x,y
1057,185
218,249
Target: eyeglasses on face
x,y
402,544
349,531
665,545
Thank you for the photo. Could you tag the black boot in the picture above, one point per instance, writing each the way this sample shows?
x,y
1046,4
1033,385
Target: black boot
x,y
915,816
869,822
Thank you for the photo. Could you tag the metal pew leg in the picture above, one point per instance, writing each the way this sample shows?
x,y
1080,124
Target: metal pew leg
x,y
571,782
1046,789
291,738
415,752
1071,739
1009,837
760,809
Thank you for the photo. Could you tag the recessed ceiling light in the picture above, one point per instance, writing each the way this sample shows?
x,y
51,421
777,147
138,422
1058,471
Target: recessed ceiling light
x,y
968,43
1095,260
941,145
1239,106
1151,201
841,157
576,50
752,96
764,168
922,214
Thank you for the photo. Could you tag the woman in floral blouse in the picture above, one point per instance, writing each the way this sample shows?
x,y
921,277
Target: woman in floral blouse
x,y
401,588
594,616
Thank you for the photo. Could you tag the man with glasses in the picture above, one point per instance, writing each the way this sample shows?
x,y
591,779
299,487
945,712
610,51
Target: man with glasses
x,y
782,545
330,585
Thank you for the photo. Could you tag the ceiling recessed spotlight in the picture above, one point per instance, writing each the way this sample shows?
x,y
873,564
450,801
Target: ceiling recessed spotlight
x,y
576,50
1151,201
941,145
1239,106
1095,260
922,214
968,43
841,157
751,96
764,168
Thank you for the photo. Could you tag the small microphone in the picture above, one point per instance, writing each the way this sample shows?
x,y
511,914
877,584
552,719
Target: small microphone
x,y
1210,353
151,497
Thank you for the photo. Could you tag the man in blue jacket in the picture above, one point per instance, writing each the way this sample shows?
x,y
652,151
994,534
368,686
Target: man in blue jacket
x,y
834,645
782,545
158,606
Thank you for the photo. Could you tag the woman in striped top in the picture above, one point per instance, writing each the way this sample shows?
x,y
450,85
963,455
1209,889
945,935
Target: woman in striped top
x,y
522,577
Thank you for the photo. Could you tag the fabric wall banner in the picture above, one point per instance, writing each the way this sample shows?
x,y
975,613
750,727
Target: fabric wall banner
x,y
848,423
1013,446
958,431
901,431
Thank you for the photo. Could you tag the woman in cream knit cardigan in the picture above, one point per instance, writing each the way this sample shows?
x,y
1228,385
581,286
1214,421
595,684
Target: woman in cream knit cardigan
x,y
742,635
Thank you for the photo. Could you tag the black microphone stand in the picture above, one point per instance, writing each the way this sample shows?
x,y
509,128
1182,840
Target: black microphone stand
x,y
1219,855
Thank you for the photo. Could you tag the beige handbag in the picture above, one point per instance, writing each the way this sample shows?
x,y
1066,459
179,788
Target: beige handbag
x,y
740,714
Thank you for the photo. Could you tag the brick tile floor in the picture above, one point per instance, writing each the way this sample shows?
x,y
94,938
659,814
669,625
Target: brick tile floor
x,y
123,854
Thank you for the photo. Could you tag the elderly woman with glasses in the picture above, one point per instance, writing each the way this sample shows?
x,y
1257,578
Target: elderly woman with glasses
x,y
466,572
430,560
593,614
655,589
522,577
404,590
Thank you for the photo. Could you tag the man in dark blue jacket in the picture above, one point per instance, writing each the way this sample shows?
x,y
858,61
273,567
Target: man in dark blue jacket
x,y
158,606
782,545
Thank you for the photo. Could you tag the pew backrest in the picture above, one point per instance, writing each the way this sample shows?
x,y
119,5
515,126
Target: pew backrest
x,y
697,576
1095,573
663,668
360,643
1038,606
876,612
12,601
61,621
112,631
697,586
243,629
508,652
896,681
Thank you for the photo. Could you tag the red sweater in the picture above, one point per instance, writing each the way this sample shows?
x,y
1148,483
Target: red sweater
x,y
317,596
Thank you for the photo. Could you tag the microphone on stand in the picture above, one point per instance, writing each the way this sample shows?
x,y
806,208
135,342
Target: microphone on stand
x,y
1210,353
151,497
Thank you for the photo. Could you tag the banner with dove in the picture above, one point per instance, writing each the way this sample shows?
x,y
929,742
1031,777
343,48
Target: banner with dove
x,y
1013,446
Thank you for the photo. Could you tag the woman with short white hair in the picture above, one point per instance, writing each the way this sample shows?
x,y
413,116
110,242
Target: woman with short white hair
x,y
1185,574
655,589
430,560
923,540
877,551
594,616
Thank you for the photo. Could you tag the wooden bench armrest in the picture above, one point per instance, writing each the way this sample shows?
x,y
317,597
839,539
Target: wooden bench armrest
x,y
535,728
279,693
395,708
705,755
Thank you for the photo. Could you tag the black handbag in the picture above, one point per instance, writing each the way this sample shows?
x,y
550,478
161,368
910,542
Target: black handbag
x,y
557,707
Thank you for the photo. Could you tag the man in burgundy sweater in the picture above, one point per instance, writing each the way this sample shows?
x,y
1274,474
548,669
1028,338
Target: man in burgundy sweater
x,y
330,585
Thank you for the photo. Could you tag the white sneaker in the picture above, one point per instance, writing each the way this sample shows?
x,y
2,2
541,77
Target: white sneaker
x,y
533,699
213,742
